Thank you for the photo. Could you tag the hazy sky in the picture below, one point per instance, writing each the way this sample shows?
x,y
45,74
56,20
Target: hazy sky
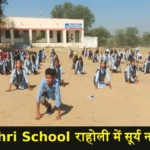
x,y
111,14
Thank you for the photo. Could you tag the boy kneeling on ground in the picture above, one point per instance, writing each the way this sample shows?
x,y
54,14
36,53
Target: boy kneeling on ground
x,y
49,89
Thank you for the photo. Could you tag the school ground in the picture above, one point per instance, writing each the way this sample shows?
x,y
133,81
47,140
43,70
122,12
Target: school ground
x,y
123,105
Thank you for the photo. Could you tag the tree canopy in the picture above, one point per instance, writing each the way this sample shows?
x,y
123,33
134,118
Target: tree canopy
x,y
2,23
68,10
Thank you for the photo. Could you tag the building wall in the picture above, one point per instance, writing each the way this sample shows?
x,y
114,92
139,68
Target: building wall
x,y
33,26
39,23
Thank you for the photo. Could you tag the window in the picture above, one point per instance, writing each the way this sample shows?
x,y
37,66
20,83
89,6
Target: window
x,y
16,33
51,34
43,34
7,34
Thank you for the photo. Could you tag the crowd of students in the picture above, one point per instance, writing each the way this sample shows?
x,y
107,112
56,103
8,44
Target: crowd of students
x,y
113,58
22,63
19,64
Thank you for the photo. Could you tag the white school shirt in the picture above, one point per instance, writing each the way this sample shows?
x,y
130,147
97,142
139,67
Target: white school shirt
x,y
2,63
128,72
76,66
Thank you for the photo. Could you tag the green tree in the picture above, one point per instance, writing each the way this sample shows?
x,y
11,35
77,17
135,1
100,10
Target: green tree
x,y
2,22
146,39
132,38
102,33
120,37
68,10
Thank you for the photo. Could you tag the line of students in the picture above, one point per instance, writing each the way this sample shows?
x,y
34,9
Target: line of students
x,y
55,64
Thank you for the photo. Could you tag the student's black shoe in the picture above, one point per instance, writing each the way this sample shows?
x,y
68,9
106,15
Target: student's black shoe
x,y
48,112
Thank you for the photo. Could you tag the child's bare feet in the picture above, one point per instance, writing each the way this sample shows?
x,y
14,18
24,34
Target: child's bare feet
x,y
58,117
38,116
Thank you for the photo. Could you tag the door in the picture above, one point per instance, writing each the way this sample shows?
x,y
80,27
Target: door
x,y
59,36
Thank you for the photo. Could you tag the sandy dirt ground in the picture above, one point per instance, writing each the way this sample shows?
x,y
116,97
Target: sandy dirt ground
x,y
123,105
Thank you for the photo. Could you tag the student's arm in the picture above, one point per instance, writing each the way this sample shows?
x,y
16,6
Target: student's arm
x,y
26,79
58,100
40,92
96,79
11,80
108,78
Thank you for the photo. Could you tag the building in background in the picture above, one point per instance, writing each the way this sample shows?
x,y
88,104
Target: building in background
x,y
44,32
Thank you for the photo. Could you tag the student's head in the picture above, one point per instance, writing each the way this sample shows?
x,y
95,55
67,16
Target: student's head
x,y
8,56
103,64
56,62
50,75
55,56
101,52
132,62
118,58
28,56
18,64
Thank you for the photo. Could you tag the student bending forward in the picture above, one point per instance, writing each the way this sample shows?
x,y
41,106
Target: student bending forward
x,y
49,89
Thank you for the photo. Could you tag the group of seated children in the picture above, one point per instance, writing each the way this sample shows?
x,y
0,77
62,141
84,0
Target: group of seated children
x,y
91,55
130,74
22,66
29,63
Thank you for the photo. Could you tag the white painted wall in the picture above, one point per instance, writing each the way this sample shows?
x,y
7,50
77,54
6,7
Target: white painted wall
x,y
39,23
91,42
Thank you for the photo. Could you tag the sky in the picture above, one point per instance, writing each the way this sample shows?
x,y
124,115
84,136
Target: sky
x,y
111,14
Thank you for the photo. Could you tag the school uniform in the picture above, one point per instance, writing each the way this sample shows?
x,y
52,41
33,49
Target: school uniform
x,y
2,67
138,57
131,73
59,74
85,53
70,54
19,79
12,60
29,67
113,57
90,55
75,59
37,61
101,57
52,62
107,60
95,60
79,69
146,66
22,57
126,56
43,54
8,64
100,77
46,92
115,66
